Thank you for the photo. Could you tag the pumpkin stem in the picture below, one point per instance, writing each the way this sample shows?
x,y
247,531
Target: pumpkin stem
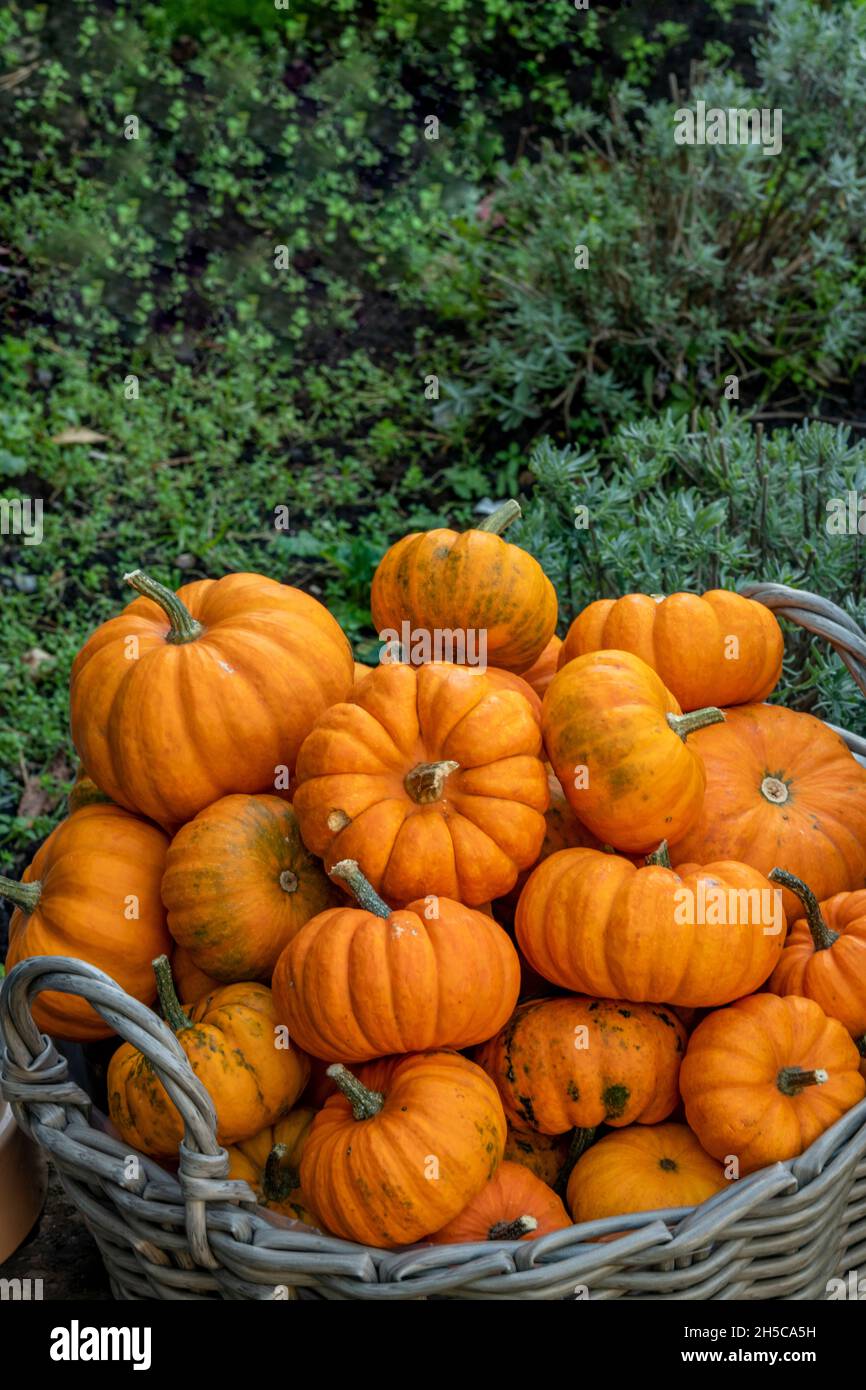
x,y
184,627
792,1080
580,1142
685,724
426,782
497,521
288,881
364,1102
660,856
173,1014
822,935
23,895
278,1177
512,1230
349,870
775,790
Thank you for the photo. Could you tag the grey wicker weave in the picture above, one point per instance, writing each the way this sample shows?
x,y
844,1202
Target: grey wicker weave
x,y
781,1233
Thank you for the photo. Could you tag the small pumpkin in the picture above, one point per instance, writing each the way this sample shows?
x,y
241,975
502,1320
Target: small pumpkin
x,y
651,1168
403,1147
542,671
825,954
782,791
431,779
92,893
706,934
365,982
191,983
513,1205
543,1154
717,648
239,884
764,1077
472,582
574,1062
231,1042
185,697
616,738
270,1162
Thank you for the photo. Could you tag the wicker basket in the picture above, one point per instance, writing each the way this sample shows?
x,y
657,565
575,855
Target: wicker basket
x,y
780,1233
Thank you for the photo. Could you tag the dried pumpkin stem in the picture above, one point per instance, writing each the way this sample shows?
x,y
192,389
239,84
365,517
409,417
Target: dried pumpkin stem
x,y
660,856
364,1102
23,895
502,517
512,1230
278,1178
184,627
172,1012
288,881
792,1080
426,782
349,870
822,935
580,1142
685,724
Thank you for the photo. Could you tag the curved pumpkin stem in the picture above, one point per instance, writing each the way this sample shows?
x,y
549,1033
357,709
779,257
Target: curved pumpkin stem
x,y
822,935
497,521
685,724
278,1178
660,856
792,1080
426,782
349,870
512,1230
581,1139
184,627
172,1011
23,895
364,1102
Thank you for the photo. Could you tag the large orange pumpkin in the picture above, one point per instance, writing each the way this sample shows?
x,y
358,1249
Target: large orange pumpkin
x,y
575,1063
239,884
712,649
703,935
92,892
185,697
472,583
231,1041
648,1169
763,1078
365,982
825,955
616,739
403,1147
782,791
513,1205
431,780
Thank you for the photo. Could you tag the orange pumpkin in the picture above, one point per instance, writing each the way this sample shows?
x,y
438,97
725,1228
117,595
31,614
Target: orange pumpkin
x,y
192,984
513,1205
763,1078
717,648
471,583
431,780
403,1147
704,935
364,982
652,1168
92,893
542,671
232,1045
239,884
185,697
782,790
571,1063
616,739
543,1154
506,680
825,955
270,1162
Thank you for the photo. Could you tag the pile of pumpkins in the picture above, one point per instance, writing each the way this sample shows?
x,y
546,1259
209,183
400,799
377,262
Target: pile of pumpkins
x,y
423,930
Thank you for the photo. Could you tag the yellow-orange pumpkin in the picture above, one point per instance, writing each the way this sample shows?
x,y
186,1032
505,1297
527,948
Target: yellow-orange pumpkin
x,y
825,954
650,1168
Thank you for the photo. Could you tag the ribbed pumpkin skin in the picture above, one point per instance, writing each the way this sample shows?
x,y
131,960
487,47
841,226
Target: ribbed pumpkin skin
x,y
182,725
239,884
593,923
626,1071
231,1048
835,977
444,580
652,1168
488,822
542,671
817,833
606,713
352,986
501,679
95,867
367,1180
512,1192
542,1154
248,1161
684,638
729,1078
